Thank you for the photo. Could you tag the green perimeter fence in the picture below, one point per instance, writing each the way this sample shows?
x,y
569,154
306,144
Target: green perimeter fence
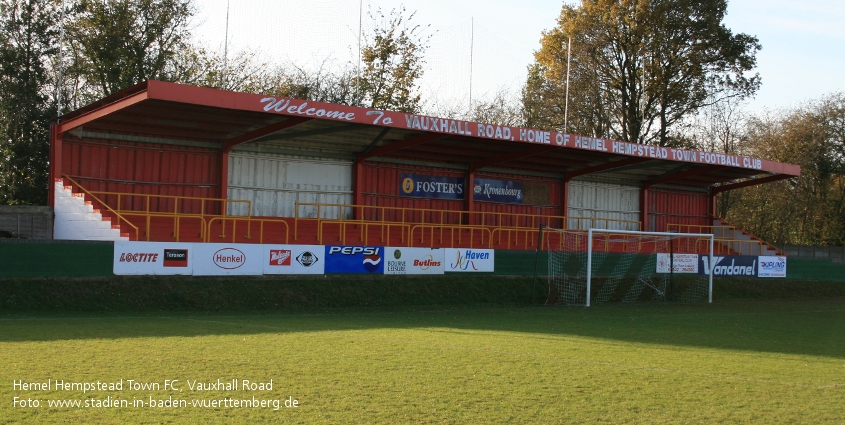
x,y
21,258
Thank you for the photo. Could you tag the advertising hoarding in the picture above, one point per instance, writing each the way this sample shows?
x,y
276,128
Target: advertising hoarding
x,y
503,191
467,260
403,260
294,259
354,259
772,266
422,186
680,263
152,258
219,259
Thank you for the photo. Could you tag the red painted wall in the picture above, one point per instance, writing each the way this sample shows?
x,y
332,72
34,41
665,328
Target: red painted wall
x,y
143,168
676,207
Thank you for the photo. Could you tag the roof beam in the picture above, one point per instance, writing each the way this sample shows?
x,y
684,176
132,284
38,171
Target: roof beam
x,y
102,111
474,166
569,175
679,173
261,132
397,146
375,141
750,182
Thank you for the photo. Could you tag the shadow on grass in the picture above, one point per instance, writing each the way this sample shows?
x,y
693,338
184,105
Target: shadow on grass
x,y
750,315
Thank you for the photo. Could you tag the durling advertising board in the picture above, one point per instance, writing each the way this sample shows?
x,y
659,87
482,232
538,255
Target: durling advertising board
x,y
294,259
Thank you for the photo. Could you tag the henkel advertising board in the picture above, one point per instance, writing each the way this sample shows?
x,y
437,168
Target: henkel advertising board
x,y
680,263
152,258
217,259
772,266
354,259
399,260
294,259
469,260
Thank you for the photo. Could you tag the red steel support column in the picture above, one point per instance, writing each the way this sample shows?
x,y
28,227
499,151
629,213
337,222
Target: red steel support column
x,y
358,186
224,179
55,162
644,211
469,201
564,201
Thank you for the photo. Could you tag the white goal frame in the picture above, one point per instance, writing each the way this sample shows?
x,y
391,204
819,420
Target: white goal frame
x,y
635,232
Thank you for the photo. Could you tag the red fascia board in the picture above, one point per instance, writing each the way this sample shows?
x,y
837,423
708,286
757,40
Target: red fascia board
x,y
449,127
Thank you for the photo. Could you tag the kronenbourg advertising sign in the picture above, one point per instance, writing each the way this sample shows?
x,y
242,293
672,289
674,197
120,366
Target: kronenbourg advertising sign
x,y
219,259
678,263
469,260
354,259
729,265
152,258
772,266
294,259
399,260
497,191
421,186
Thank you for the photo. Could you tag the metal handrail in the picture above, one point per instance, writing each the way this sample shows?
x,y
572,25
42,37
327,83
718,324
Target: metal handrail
x,y
120,217
451,229
385,227
249,220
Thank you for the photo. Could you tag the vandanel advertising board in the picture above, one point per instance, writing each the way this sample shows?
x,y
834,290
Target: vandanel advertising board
x,y
403,260
294,259
467,260
152,258
218,259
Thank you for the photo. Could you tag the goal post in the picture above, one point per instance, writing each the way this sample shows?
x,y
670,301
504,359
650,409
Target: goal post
x,y
602,265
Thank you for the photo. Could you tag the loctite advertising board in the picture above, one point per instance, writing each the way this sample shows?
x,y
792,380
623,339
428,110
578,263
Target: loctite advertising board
x,y
403,260
294,259
469,260
218,259
152,258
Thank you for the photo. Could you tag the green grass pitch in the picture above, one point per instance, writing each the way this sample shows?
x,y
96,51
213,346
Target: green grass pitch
x,y
733,362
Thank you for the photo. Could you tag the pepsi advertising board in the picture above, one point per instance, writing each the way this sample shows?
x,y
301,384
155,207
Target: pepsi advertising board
x,y
354,259
420,186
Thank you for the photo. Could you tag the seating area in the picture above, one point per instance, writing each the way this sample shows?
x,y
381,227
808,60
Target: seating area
x,y
149,217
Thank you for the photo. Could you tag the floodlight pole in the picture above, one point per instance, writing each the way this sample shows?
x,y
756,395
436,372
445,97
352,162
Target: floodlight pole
x,y
710,273
589,263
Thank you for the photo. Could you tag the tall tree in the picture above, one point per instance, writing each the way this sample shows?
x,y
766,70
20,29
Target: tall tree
x,y
393,60
638,67
810,209
28,41
120,43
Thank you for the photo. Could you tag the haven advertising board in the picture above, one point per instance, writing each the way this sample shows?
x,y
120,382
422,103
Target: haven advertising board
x,y
421,186
497,191
399,260
677,263
152,258
468,260
354,259
217,259
294,259
772,266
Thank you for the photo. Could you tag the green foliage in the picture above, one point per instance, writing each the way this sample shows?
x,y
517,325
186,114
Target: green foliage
x,y
119,43
28,32
392,58
638,68
810,209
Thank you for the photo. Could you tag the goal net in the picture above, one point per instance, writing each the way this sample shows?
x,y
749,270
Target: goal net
x,y
599,265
